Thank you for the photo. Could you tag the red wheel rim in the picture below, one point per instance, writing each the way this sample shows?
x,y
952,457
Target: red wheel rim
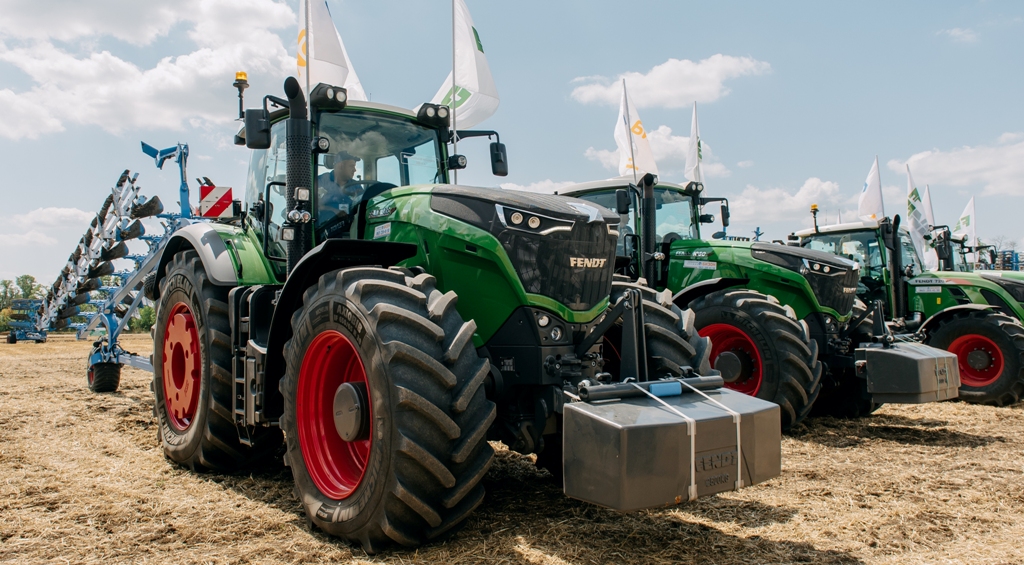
x,y
732,339
183,367
984,350
335,465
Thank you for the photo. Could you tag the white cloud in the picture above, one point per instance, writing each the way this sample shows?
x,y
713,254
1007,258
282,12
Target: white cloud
x,y
676,83
962,35
998,169
104,90
1010,137
51,217
34,238
546,186
135,22
785,204
669,152
745,164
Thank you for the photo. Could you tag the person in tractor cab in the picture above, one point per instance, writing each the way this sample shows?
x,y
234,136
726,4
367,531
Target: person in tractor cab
x,y
338,194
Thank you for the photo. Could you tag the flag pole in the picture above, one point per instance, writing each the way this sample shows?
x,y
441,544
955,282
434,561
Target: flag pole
x,y
455,131
629,130
309,46
698,176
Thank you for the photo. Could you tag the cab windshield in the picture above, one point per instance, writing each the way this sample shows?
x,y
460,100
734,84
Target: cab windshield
x,y
369,153
959,258
672,213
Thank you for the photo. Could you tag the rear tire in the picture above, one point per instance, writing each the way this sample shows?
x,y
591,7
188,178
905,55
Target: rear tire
x,y
843,393
194,388
413,474
773,356
990,352
104,377
11,338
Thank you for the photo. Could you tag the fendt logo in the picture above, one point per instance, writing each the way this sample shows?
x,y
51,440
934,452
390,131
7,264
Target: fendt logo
x,y
586,262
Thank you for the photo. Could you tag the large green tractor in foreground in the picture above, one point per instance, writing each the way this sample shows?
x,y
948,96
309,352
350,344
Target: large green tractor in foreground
x,y
975,315
381,326
784,322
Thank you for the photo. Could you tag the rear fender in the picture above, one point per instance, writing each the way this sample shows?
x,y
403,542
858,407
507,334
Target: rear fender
x,y
684,297
328,256
207,242
937,318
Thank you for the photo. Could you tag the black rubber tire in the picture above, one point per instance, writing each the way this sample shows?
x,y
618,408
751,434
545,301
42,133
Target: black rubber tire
x,y
791,371
672,342
430,412
104,377
11,338
211,441
843,393
1007,334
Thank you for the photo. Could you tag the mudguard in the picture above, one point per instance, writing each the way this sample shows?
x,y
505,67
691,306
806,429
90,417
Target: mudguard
x,y
684,297
206,241
939,316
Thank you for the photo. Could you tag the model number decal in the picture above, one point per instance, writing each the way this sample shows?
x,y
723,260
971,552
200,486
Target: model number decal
x,y
381,212
928,289
708,265
917,282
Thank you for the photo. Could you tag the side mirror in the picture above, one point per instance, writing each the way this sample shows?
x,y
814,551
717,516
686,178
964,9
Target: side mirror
x,y
257,129
707,218
718,235
621,202
499,160
991,257
725,215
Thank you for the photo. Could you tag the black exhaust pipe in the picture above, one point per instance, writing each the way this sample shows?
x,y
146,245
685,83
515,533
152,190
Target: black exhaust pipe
x,y
298,172
649,227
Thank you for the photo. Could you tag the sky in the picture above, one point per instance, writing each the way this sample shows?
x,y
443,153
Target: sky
x,y
795,99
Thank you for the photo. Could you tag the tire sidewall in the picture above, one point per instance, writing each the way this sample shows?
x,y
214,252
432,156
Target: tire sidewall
x,y
757,334
342,517
180,286
950,331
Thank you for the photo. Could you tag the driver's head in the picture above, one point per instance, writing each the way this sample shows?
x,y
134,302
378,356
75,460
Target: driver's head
x,y
344,167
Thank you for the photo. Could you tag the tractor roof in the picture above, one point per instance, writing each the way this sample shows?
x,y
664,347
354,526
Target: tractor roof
x,y
844,227
616,182
352,104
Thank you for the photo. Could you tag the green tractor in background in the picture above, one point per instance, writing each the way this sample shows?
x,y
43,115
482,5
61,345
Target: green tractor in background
x,y
975,315
381,326
784,321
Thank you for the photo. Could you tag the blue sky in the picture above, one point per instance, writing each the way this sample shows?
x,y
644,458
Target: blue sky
x,y
795,98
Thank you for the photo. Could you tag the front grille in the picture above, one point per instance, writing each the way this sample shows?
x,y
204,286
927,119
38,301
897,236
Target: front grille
x,y
830,289
544,262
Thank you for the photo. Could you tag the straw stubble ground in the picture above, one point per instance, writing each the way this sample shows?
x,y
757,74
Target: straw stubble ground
x,y
83,480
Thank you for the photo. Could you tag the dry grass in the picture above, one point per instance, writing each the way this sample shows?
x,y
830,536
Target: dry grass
x,y
83,480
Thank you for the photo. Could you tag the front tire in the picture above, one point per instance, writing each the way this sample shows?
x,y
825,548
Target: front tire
x,y
405,466
989,347
192,378
104,377
762,350
11,338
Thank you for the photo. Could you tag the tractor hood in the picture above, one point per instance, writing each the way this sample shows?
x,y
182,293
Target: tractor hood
x,y
560,247
833,279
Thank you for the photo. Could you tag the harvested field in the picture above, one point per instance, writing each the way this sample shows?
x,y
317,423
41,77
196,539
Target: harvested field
x,y
83,480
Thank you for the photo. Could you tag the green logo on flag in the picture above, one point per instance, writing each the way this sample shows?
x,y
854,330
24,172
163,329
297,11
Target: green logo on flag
x,y
914,196
461,95
479,45
962,223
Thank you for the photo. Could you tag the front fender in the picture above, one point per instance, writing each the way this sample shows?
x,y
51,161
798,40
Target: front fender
x,y
684,297
936,318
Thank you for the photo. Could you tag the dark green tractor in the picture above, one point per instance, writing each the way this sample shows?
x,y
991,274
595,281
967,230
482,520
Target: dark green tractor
x,y
784,321
381,326
975,315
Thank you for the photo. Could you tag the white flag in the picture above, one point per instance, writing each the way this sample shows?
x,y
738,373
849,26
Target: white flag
x,y
635,156
918,225
926,203
695,150
839,219
322,52
965,225
870,206
475,95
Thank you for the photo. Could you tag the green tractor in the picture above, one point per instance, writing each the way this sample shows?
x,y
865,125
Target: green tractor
x,y
784,322
380,327
975,315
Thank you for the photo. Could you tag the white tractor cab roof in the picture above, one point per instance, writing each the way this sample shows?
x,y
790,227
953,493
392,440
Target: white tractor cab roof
x,y
616,182
834,228
351,104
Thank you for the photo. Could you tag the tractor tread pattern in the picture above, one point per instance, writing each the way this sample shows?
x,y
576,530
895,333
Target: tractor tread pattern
x,y
797,360
439,415
1012,389
106,377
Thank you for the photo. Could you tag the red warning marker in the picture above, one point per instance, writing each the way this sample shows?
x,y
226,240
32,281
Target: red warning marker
x,y
215,201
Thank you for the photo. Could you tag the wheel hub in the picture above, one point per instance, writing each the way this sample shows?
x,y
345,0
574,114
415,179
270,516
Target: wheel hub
x,y
350,411
979,360
736,355
730,365
182,368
